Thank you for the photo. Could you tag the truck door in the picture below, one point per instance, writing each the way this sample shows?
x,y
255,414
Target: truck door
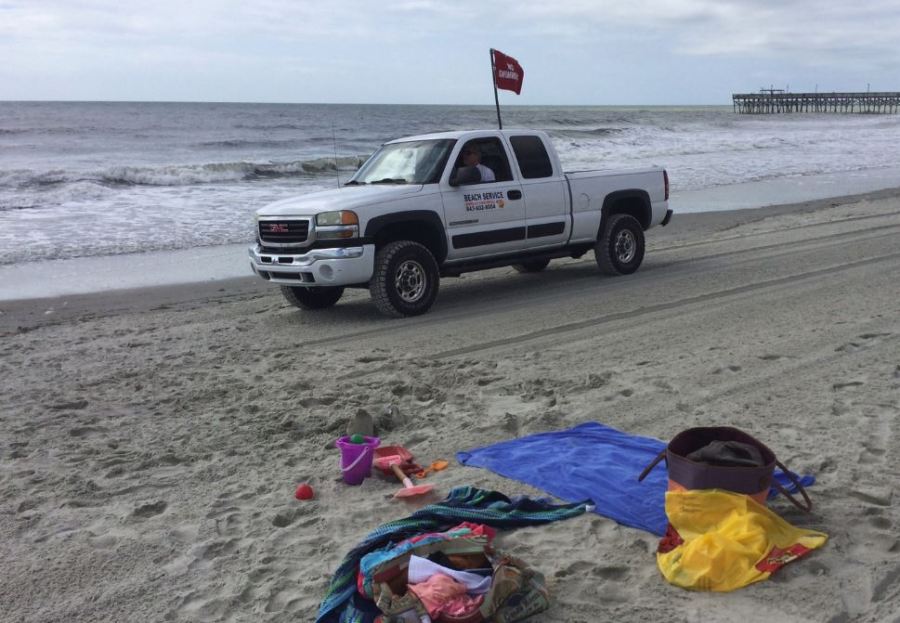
x,y
547,219
488,217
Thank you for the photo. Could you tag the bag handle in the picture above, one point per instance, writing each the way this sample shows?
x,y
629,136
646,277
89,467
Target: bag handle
x,y
808,507
653,464
362,455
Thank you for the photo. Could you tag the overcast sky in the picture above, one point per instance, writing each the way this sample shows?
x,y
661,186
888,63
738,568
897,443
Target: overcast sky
x,y
428,52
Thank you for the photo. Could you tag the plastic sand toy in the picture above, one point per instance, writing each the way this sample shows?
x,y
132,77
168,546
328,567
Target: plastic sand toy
x,y
356,458
409,489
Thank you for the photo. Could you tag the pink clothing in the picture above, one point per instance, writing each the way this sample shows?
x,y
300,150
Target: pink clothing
x,y
442,594
459,606
420,569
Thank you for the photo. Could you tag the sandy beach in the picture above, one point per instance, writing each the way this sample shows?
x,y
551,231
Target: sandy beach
x,y
152,439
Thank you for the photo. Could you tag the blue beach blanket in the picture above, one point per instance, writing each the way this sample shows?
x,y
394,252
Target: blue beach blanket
x,y
593,461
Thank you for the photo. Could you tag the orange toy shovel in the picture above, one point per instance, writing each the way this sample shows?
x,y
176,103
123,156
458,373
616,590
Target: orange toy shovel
x,y
434,467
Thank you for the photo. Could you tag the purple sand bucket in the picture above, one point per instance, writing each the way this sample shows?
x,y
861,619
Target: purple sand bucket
x,y
356,458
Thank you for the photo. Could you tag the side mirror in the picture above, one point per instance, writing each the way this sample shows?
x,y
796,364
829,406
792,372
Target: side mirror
x,y
465,175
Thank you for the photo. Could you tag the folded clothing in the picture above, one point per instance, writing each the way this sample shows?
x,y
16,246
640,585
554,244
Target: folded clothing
x,y
728,454
469,564
421,569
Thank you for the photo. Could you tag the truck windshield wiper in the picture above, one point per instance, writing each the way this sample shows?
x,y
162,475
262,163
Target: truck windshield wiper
x,y
390,180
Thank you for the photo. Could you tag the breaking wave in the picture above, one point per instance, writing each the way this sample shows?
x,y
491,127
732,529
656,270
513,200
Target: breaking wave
x,y
272,126
239,143
183,175
585,133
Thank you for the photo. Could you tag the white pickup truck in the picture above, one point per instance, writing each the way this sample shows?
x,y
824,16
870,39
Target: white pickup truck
x,y
414,212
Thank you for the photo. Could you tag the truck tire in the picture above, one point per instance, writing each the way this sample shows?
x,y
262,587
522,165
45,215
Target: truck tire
x,y
532,266
406,279
312,298
620,248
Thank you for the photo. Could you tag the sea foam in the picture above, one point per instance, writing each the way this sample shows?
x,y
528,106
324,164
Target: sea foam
x,y
82,179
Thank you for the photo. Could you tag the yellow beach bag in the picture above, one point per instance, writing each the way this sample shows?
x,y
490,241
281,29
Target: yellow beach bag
x,y
722,541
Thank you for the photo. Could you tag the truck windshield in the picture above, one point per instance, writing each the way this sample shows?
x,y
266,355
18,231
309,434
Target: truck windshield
x,y
410,162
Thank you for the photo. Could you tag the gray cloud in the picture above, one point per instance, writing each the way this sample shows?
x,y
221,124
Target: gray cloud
x,y
51,42
713,27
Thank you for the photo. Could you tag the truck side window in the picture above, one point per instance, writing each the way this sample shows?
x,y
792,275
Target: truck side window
x,y
532,156
492,155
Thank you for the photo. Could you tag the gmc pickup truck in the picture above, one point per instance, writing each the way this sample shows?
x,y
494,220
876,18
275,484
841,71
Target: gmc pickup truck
x,y
415,212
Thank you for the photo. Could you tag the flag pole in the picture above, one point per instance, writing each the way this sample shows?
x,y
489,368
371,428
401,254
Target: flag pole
x,y
494,80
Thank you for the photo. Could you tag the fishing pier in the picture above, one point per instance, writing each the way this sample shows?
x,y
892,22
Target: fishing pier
x,y
775,101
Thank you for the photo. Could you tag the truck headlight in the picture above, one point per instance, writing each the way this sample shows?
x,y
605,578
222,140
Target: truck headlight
x,y
344,217
337,225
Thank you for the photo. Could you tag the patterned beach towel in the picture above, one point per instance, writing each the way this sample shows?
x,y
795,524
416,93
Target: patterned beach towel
x,y
343,604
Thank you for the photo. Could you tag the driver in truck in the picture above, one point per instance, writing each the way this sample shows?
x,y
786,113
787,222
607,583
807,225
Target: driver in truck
x,y
471,157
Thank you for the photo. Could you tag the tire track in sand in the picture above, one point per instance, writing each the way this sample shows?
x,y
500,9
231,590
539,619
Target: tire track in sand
x,y
633,314
552,293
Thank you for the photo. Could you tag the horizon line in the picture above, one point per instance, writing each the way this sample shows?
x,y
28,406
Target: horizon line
x,y
125,101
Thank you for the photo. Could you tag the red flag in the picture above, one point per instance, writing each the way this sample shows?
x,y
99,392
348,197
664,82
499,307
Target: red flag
x,y
508,74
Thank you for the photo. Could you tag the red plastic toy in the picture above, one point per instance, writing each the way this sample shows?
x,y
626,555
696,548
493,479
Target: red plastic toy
x,y
304,492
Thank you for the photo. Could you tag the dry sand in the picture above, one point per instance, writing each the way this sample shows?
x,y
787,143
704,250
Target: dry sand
x,y
152,439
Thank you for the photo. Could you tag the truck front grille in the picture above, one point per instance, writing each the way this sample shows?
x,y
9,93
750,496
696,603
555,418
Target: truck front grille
x,y
284,232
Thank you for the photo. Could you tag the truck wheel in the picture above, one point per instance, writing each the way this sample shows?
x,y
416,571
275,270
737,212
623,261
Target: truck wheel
x,y
312,298
406,279
532,266
620,249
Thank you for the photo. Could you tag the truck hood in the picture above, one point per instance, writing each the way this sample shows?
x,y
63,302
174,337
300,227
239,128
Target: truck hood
x,y
344,198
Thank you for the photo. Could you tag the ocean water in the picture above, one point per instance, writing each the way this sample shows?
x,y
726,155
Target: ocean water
x,y
94,179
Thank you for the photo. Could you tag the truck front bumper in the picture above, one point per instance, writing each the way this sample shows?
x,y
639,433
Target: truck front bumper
x,y
344,266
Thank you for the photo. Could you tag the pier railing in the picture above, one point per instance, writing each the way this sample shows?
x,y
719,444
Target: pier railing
x,y
774,103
